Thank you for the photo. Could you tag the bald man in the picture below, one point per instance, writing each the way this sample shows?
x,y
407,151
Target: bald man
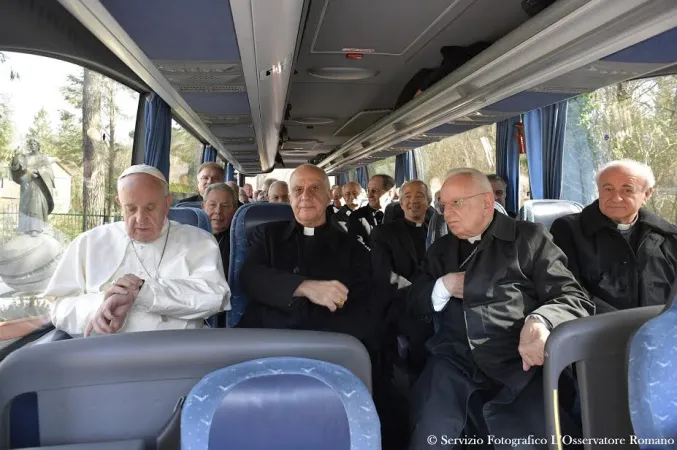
x,y
316,278
350,192
497,288
278,192
144,273
335,201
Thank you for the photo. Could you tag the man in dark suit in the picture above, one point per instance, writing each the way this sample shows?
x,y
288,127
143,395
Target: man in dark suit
x,y
498,287
307,275
208,174
379,194
397,248
339,219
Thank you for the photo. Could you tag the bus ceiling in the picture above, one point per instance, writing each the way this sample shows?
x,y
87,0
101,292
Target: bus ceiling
x,y
323,81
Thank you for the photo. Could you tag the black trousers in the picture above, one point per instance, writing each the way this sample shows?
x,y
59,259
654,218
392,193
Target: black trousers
x,y
448,405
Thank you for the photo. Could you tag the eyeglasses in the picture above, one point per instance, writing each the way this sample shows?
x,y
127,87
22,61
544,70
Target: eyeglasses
x,y
457,204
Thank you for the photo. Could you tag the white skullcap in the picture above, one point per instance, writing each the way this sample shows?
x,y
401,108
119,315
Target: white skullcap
x,y
143,168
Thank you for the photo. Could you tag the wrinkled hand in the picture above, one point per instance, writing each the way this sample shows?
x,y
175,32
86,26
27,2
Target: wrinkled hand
x,y
110,316
454,283
532,343
331,294
128,284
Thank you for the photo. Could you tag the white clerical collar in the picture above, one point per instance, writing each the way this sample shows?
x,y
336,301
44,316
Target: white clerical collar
x,y
626,226
308,231
474,239
418,225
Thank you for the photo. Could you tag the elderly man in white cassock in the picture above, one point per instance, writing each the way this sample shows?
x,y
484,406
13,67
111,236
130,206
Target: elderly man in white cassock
x,y
146,273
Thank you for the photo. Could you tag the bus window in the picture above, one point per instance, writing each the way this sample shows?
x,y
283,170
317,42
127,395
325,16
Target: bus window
x,y
185,159
475,148
384,167
66,134
637,120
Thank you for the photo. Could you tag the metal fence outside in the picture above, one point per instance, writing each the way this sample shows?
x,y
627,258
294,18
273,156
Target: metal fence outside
x,y
68,226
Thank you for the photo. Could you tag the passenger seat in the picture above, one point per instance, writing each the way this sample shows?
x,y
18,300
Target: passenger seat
x,y
546,212
246,218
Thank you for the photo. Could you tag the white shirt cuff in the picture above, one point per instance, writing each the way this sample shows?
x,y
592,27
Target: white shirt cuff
x,y
540,318
440,296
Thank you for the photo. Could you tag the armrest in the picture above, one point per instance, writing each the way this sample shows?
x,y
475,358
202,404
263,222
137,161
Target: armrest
x,y
132,444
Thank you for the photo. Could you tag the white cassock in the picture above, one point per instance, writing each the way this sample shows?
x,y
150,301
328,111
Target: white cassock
x,y
188,287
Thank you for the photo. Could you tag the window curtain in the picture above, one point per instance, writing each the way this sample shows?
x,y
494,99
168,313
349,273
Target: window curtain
x,y
208,154
533,123
158,133
362,176
405,168
412,172
342,179
544,129
400,169
230,172
507,160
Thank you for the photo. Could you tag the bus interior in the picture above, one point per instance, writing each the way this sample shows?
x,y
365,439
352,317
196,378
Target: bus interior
x,y
354,87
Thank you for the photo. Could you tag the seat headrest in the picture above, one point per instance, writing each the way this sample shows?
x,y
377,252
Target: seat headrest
x,y
393,212
546,212
247,217
282,403
197,205
255,214
191,216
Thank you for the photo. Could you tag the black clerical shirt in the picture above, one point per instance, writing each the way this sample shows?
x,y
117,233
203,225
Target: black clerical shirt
x,y
281,256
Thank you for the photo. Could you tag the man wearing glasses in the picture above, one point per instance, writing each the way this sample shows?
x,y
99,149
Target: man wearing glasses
x,y
379,194
497,288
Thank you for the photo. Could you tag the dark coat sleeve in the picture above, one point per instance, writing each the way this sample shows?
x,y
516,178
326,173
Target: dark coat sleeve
x,y
356,227
561,295
262,283
419,302
381,257
383,264
563,237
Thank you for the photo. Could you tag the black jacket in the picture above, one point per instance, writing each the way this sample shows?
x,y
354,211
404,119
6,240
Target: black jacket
x,y
516,270
393,250
275,267
609,269
356,225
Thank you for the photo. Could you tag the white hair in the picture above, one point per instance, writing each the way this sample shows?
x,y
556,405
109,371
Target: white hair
x,y
478,177
223,187
637,168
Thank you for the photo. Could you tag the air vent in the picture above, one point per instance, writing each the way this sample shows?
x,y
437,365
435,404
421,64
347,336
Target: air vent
x,y
198,67
234,120
203,76
301,144
238,141
360,122
342,73
212,89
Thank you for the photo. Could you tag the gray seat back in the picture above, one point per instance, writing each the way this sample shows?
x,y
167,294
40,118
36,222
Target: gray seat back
x,y
598,346
546,212
119,387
